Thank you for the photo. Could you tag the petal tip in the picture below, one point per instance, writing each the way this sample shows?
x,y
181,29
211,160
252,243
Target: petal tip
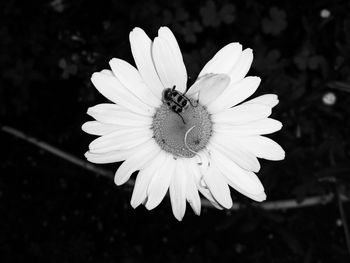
x,y
83,127
256,79
136,30
164,28
113,60
236,46
283,154
134,204
179,217
89,112
150,205
87,154
260,197
118,181
227,205
249,51
94,76
280,125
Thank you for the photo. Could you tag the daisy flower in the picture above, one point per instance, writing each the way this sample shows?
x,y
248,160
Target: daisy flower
x,y
185,141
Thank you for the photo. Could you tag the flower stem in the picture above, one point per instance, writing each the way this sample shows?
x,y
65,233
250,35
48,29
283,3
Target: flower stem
x,y
343,218
272,205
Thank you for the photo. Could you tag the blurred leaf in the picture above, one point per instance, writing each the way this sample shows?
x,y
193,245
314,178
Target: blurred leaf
x,y
68,68
181,15
275,23
292,242
212,17
306,189
227,13
339,85
190,29
209,14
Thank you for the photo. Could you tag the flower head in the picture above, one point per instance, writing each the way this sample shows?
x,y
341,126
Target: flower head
x,y
185,141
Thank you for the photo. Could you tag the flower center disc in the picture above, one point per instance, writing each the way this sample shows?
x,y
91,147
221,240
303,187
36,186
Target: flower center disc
x,y
184,136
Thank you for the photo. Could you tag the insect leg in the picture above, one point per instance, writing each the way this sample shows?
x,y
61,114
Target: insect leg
x,y
183,120
192,103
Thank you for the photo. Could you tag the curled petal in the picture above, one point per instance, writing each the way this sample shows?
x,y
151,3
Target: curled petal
x,y
224,60
234,94
209,87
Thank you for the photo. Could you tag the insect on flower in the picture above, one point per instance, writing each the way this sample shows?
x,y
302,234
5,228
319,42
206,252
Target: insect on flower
x,y
215,146
176,101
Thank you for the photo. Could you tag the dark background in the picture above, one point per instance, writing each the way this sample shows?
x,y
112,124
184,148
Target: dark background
x,y
54,211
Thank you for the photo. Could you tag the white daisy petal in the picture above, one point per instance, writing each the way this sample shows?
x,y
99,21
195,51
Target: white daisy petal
x,y
218,186
120,140
136,162
114,114
270,100
209,87
141,47
109,157
234,94
242,114
171,69
131,79
261,147
144,178
166,34
243,181
243,158
114,156
112,89
203,190
177,190
159,185
98,128
140,128
192,194
260,127
224,60
107,72
242,66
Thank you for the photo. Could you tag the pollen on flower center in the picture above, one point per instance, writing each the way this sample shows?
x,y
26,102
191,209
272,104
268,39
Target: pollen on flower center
x,y
182,137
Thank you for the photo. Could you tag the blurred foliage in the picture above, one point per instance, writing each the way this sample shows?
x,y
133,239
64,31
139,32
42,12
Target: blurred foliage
x,y
51,48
